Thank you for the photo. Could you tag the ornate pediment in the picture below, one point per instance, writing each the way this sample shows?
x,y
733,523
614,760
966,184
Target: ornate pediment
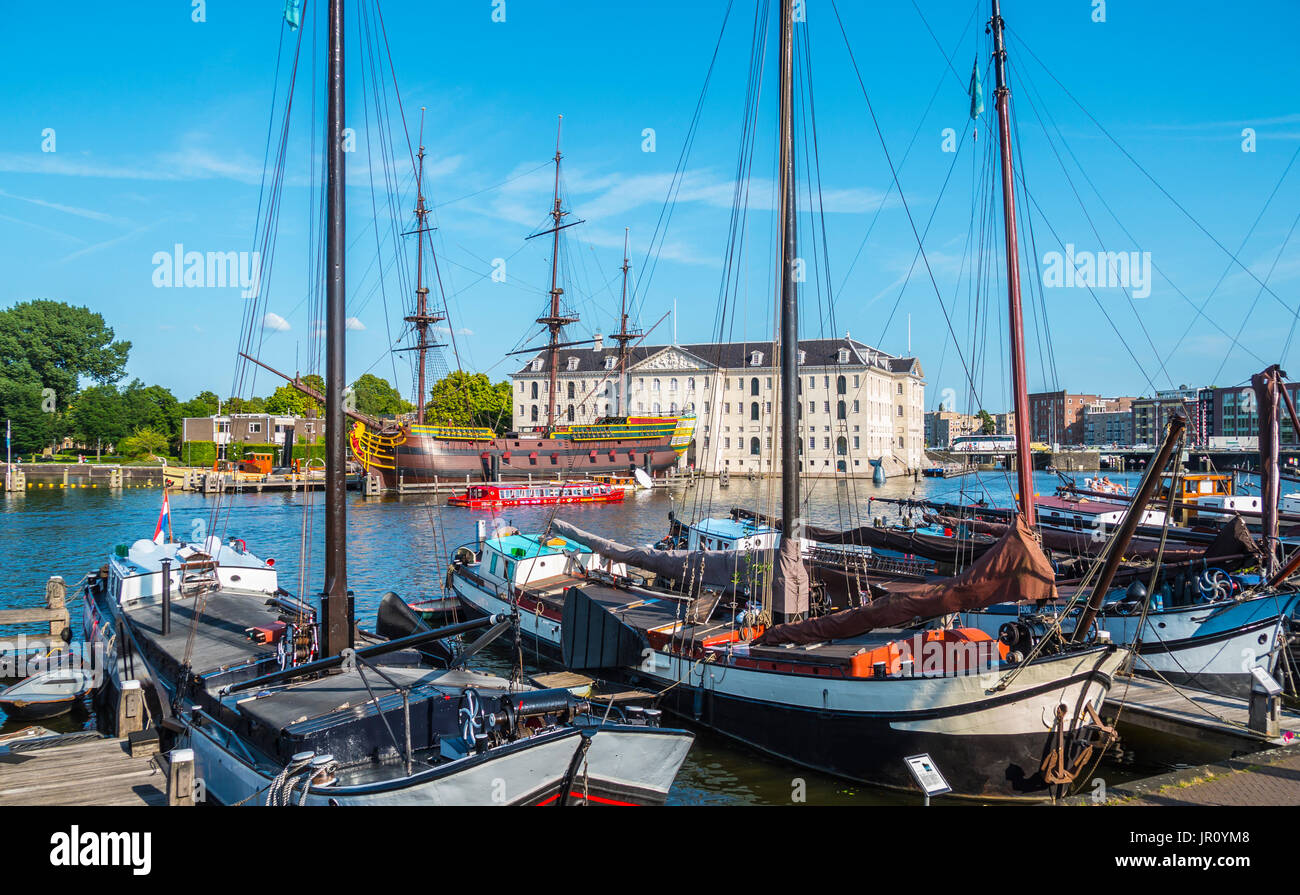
x,y
671,359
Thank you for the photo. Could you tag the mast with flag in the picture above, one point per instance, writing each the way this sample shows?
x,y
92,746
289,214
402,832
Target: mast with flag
x,y
164,518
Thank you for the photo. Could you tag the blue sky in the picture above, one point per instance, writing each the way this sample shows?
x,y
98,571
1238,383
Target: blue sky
x,y
160,126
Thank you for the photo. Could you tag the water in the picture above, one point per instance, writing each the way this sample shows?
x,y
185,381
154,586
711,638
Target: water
x,y
402,545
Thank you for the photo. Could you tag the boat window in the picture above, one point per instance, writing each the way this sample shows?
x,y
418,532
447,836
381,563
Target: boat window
x,y
493,567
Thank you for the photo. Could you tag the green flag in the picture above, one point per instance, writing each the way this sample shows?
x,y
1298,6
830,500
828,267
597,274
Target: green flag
x,y
976,91
293,13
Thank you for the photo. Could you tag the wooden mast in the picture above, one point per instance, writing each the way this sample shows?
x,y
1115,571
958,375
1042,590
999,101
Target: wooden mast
x,y
421,319
789,427
555,322
1015,315
336,626
623,337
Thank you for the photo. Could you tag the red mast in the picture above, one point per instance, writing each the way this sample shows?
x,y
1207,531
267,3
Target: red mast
x,y
1015,316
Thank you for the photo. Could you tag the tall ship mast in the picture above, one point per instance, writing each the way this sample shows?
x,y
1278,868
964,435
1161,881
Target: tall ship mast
x,y
624,337
423,319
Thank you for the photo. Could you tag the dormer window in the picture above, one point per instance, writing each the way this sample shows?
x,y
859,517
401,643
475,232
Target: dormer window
x,y
756,358
537,365
573,364
803,356
844,355
610,361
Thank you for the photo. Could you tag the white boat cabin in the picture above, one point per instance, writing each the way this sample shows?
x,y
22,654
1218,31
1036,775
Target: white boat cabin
x,y
522,560
135,572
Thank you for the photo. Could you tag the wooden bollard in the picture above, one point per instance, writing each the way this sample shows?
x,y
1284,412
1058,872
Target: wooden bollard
x,y
180,778
130,709
56,593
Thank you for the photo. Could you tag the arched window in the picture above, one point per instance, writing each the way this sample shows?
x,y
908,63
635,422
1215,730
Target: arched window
x,y
672,384
839,410
690,383
534,391
570,391
753,410
534,414
753,446
753,386
841,446
655,408
841,385
672,408
654,385
570,410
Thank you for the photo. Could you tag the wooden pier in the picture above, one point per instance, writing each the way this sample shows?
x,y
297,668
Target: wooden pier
x,y
82,770
1187,725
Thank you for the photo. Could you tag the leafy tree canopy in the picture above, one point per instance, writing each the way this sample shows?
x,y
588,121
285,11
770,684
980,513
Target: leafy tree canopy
x,y
470,399
51,344
377,397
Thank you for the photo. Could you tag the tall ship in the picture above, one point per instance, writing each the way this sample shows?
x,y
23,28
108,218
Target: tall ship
x,y
419,449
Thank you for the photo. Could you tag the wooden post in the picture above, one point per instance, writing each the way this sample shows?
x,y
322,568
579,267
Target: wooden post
x,y
130,709
56,593
180,778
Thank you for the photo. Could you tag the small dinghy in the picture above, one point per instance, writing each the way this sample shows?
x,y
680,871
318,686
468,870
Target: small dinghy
x,y
45,695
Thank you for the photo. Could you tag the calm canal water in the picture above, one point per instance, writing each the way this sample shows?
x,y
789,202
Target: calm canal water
x,y
402,545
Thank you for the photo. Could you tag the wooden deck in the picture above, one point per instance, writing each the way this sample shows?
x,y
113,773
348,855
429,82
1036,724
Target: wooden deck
x,y
1190,725
80,773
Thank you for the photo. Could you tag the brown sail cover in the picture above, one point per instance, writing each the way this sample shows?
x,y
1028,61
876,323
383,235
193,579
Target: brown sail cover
x,y
1013,571
706,568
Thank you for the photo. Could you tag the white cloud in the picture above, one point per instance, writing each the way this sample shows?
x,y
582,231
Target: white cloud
x,y
354,324
276,322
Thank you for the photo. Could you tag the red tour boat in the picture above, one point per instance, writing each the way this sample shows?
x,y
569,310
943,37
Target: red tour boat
x,y
529,494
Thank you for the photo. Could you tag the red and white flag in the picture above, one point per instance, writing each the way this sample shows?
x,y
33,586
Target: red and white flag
x,y
164,520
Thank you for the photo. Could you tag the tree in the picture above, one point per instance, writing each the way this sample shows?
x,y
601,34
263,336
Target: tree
x,y
144,443
987,426
31,417
98,414
376,396
205,403
152,407
470,399
288,401
50,344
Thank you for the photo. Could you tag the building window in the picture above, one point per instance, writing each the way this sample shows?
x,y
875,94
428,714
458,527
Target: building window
x,y
573,364
254,428
753,446
842,446
610,361
570,390
840,411
672,384
753,410
756,358
654,385
753,386
841,385
534,414
570,410
534,391
855,406
844,355
690,383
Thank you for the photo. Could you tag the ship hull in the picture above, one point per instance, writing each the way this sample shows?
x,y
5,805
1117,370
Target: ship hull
x,y
422,459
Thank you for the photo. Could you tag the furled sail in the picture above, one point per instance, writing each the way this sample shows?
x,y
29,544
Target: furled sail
x,y
1014,570
703,568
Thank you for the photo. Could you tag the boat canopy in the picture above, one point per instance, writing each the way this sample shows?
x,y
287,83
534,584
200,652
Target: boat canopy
x,y
1015,570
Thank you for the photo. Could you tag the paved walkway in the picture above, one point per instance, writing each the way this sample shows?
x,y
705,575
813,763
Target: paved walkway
x,y
1264,778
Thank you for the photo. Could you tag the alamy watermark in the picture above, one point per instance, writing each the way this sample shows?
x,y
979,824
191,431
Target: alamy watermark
x,y
1099,270
213,270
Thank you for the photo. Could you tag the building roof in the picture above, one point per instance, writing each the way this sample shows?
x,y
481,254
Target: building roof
x,y
733,355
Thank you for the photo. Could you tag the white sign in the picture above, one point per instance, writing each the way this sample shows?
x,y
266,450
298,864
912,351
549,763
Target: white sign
x,y
927,775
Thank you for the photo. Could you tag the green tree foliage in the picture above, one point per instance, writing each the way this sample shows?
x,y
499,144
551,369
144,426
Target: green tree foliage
x,y
205,403
470,399
99,414
33,422
50,344
377,397
987,426
289,401
144,443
